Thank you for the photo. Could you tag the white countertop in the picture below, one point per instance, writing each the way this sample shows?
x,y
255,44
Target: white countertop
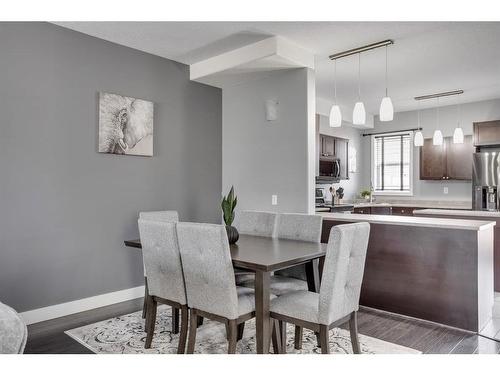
x,y
411,221
416,204
486,214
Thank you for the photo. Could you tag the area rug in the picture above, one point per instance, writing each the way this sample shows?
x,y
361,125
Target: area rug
x,y
125,335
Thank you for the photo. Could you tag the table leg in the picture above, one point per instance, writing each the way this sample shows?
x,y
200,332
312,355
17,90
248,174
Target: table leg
x,y
262,317
312,273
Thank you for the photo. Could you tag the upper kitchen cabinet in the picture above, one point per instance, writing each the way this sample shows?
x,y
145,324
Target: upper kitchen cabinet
x,y
327,146
487,133
449,161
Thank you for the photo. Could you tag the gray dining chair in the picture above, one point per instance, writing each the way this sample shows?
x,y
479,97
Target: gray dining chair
x,y
300,227
13,331
253,223
167,217
338,299
210,284
162,262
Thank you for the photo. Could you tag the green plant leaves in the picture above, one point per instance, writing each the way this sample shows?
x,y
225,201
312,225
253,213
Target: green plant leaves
x,y
228,205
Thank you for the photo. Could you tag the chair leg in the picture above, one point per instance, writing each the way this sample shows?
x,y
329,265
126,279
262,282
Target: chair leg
x,y
298,337
151,321
282,331
324,333
193,326
145,304
231,328
199,322
175,320
181,348
241,330
275,336
353,329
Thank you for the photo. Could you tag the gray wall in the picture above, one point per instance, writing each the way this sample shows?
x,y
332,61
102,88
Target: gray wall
x,y
66,209
353,185
433,190
262,158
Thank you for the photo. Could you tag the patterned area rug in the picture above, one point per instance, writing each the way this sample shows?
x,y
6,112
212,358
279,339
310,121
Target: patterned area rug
x,y
125,335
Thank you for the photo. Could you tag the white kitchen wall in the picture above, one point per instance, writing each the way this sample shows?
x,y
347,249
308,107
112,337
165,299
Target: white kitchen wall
x,y
434,190
353,185
263,158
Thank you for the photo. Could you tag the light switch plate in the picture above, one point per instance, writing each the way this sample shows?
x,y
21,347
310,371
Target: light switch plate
x,y
445,190
274,199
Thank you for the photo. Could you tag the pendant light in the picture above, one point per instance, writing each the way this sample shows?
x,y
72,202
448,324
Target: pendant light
x,y
437,138
386,112
335,114
458,134
418,138
359,114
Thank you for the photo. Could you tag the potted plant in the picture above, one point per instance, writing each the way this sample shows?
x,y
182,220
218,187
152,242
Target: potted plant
x,y
228,205
365,194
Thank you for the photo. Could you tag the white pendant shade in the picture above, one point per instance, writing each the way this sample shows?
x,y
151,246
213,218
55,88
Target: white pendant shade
x,y
418,139
458,135
437,139
359,114
335,116
386,112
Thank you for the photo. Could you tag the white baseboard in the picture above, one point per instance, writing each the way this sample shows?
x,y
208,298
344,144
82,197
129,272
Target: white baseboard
x,y
73,307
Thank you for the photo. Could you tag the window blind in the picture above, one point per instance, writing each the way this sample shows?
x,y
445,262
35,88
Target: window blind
x,y
392,162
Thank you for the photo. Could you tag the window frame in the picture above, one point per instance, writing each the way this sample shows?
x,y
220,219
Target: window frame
x,y
408,193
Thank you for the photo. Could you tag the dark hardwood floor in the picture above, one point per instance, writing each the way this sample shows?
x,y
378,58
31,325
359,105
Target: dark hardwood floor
x,y
49,337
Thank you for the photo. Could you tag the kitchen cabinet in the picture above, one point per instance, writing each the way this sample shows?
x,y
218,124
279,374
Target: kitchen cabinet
x,y
402,211
446,162
381,210
327,147
487,133
362,210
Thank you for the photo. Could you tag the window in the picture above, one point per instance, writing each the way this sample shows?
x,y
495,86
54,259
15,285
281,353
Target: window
x,y
392,163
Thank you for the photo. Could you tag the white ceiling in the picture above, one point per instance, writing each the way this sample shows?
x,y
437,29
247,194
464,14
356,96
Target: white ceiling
x,y
427,57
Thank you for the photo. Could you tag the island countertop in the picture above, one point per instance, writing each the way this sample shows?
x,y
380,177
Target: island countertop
x,y
470,213
476,225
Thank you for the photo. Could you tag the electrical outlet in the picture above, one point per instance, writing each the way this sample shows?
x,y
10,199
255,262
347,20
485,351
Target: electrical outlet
x,y
274,199
445,190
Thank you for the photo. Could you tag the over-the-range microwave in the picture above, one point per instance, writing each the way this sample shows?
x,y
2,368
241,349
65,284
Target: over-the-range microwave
x,y
329,169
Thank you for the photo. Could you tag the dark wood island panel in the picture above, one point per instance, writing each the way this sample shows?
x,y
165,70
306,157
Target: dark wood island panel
x,y
437,274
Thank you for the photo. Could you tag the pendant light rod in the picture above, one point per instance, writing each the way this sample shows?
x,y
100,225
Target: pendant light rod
x,y
357,50
386,71
335,80
392,131
359,76
439,95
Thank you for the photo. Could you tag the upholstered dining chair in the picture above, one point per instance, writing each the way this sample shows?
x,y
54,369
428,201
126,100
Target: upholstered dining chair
x,y
162,262
210,284
167,217
13,331
253,223
338,299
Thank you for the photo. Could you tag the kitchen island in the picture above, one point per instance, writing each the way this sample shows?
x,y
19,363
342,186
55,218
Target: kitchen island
x,y
473,215
437,269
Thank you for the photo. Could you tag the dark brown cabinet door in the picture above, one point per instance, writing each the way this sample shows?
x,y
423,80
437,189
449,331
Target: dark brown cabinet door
x,y
487,133
459,159
381,210
362,210
432,161
402,211
327,147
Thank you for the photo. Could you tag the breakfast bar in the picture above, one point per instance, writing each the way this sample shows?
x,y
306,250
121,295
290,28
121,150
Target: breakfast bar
x,y
437,269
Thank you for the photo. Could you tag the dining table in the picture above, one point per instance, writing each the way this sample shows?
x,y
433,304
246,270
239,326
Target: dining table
x,y
263,256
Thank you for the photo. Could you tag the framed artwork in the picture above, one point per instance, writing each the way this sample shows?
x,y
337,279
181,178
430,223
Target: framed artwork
x,y
125,125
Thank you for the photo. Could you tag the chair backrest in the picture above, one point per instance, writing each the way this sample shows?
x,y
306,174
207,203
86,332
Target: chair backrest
x,y
208,269
164,216
167,216
300,227
162,260
257,223
343,271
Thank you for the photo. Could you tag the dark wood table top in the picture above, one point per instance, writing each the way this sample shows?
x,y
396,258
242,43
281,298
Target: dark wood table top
x,y
267,254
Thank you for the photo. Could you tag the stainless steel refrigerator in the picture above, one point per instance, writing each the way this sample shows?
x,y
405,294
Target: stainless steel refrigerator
x,y
485,180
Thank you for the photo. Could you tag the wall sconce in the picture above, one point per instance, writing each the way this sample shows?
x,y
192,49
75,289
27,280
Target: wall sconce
x,y
272,109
